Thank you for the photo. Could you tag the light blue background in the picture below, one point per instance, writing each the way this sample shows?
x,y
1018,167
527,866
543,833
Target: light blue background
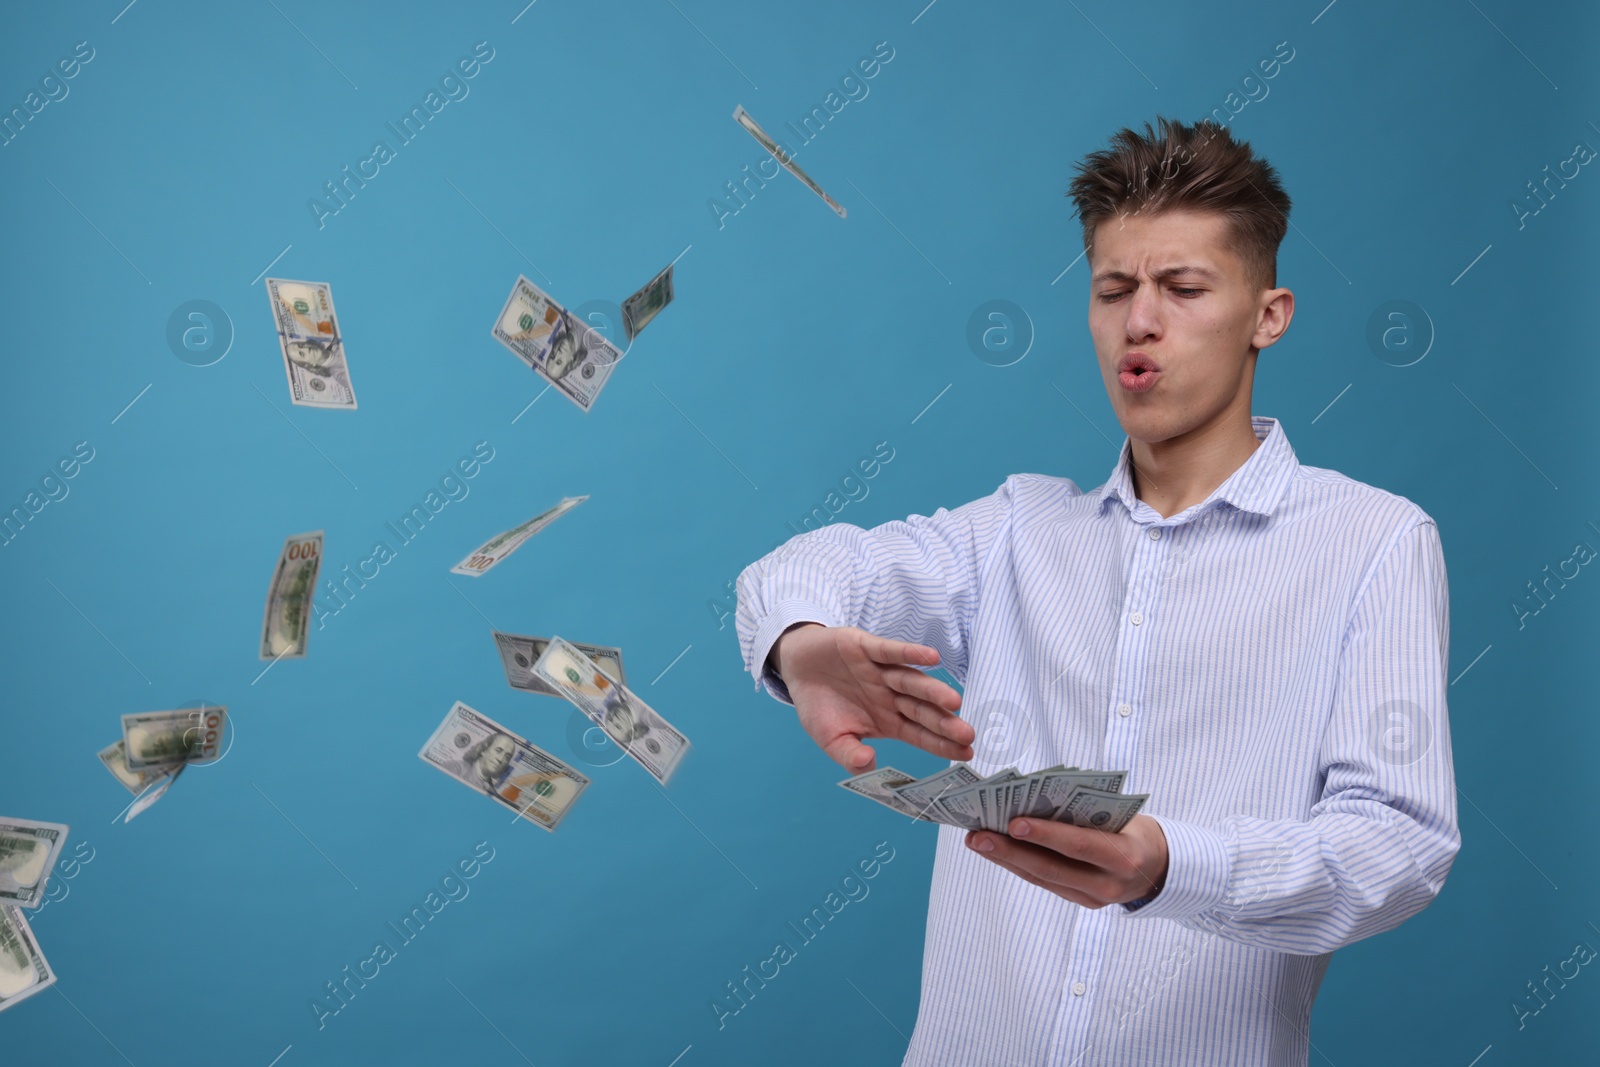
x,y
180,164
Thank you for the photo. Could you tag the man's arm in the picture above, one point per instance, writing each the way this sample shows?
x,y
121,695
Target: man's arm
x,y
1383,835
1379,842
915,580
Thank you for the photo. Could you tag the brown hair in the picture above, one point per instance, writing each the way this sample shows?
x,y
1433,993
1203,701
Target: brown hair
x,y
1198,168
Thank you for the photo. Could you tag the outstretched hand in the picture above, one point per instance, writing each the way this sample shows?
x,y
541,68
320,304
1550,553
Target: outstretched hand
x,y
848,685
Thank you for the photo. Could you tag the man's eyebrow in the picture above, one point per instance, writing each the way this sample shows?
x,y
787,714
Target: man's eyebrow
x,y
1161,275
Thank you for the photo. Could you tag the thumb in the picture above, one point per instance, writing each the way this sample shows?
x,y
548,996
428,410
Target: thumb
x,y
848,752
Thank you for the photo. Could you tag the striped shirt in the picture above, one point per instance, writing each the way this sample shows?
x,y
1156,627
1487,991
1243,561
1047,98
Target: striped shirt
x,y
1269,665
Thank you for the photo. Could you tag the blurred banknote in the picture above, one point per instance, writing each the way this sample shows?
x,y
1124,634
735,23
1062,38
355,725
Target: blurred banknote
x,y
742,117
502,545
880,785
518,654
565,351
294,583
115,758
28,853
313,348
23,968
612,706
483,755
957,796
641,307
162,739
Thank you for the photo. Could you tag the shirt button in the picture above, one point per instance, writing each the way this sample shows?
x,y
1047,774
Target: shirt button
x,y
1125,710
1136,618
1155,534
1078,989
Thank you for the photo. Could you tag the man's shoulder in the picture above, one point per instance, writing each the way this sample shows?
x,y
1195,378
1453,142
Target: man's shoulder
x,y
1326,495
1025,497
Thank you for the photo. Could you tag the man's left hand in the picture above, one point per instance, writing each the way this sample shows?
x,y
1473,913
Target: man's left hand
x,y
1083,865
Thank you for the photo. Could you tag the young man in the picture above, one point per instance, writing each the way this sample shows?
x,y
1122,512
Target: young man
x,y
1262,645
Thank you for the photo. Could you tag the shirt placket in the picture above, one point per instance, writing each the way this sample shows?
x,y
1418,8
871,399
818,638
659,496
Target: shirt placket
x,y
1123,714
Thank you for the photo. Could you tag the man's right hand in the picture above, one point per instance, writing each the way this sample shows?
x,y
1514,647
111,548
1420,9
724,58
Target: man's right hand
x,y
848,684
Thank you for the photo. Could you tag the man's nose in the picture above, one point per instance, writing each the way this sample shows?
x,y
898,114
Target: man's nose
x,y
1144,313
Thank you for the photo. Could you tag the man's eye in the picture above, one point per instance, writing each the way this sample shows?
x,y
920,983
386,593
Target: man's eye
x,y
1188,291
1108,298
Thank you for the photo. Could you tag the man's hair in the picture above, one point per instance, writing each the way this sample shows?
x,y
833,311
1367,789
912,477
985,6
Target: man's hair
x,y
1197,168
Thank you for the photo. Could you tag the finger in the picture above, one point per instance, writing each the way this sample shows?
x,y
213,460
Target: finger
x,y
848,752
1074,842
884,650
1053,867
914,683
1060,889
914,733
1110,852
934,719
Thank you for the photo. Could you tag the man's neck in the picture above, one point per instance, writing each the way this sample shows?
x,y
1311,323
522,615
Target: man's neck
x,y
1180,472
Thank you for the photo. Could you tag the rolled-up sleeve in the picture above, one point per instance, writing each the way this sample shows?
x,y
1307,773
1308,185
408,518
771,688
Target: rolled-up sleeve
x,y
916,580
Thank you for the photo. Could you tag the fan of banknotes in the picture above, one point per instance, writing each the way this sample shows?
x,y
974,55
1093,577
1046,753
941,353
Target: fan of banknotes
x,y
28,852
959,796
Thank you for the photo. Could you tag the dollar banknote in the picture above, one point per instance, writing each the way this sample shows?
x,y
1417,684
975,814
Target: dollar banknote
x,y
115,758
294,583
742,117
483,755
641,307
922,794
956,796
23,969
1100,809
518,654
879,785
313,347
634,725
162,739
564,350
28,853
502,545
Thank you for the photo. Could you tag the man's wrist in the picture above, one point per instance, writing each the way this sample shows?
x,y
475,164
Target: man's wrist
x,y
773,658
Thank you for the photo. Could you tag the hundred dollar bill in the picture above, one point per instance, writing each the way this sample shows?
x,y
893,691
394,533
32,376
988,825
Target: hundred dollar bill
x,y
518,653
1099,809
742,117
924,794
115,758
1053,788
880,785
294,583
641,307
977,801
634,725
163,738
313,348
23,969
565,351
502,545
28,853
483,755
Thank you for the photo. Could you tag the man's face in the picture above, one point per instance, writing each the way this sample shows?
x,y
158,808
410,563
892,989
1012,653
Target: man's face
x,y
497,757
1196,325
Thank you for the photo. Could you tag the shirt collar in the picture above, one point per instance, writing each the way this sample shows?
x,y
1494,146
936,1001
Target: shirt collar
x,y
1257,486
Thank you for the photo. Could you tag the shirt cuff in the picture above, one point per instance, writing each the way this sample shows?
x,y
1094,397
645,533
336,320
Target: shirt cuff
x,y
1197,873
784,615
